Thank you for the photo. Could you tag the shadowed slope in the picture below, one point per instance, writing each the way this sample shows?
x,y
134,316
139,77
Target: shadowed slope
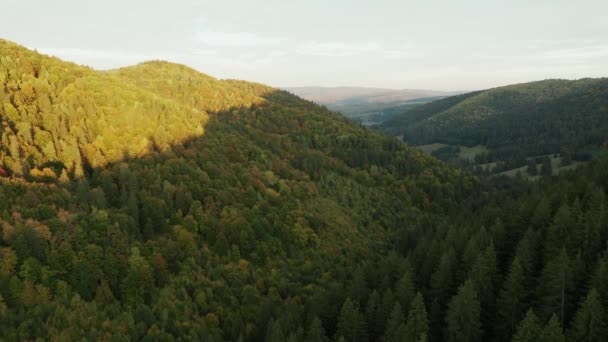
x,y
198,236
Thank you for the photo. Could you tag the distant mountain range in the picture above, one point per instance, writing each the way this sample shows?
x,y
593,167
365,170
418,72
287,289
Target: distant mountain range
x,y
369,106
358,95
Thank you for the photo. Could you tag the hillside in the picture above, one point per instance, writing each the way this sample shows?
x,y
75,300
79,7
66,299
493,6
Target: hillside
x,y
187,203
247,213
515,122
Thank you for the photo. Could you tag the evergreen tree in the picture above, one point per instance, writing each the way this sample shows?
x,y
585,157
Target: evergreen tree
x,y
372,311
405,290
316,332
395,325
559,232
511,302
463,315
589,324
274,332
484,276
552,332
599,281
555,287
528,330
417,324
351,325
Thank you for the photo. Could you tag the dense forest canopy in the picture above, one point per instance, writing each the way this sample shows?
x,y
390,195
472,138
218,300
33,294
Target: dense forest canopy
x,y
157,203
515,122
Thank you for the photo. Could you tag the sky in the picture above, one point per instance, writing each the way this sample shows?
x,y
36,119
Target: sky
x,y
431,44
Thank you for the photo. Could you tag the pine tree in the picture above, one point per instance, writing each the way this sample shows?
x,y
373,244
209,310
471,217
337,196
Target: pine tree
x,y
384,311
555,287
542,214
484,274
528,329
358,290
559,232
589,324
316,332
395,325
417,326
527,252
552,332
371,314
274,332
599,281
511,302
351,324
463,315
405,290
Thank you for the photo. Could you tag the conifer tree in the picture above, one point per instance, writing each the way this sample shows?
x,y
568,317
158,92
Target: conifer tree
x,y
555,287
351,325
589,323
528,329
395,325
405,290
552,331
511,302
316,332
417,324
463,315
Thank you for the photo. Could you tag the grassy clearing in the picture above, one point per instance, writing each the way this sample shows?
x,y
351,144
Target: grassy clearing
x,y
430,148
469,153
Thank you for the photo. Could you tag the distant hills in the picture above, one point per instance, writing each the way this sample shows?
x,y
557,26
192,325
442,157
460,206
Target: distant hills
x,y
358,95
368,105
514,123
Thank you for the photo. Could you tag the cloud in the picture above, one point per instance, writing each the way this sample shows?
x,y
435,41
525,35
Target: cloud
x,y
235,39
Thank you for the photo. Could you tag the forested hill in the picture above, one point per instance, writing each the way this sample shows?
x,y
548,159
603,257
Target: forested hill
x,y
514,122
155,202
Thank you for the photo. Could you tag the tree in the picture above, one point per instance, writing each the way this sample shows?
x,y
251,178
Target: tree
x,y
395,325
463,315
552,332
274,332
559,232
372,311
417,326
351,324
405,290
316,332
589,324
528,330
484,274
555,287
511,301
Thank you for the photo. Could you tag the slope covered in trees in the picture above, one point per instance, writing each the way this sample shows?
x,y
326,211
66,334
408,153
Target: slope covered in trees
x,y
155,201
515,122
278,221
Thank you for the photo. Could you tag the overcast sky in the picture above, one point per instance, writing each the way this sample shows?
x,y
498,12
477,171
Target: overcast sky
x,y
443,45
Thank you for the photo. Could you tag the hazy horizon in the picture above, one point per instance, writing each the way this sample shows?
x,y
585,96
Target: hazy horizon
x,y
435,45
